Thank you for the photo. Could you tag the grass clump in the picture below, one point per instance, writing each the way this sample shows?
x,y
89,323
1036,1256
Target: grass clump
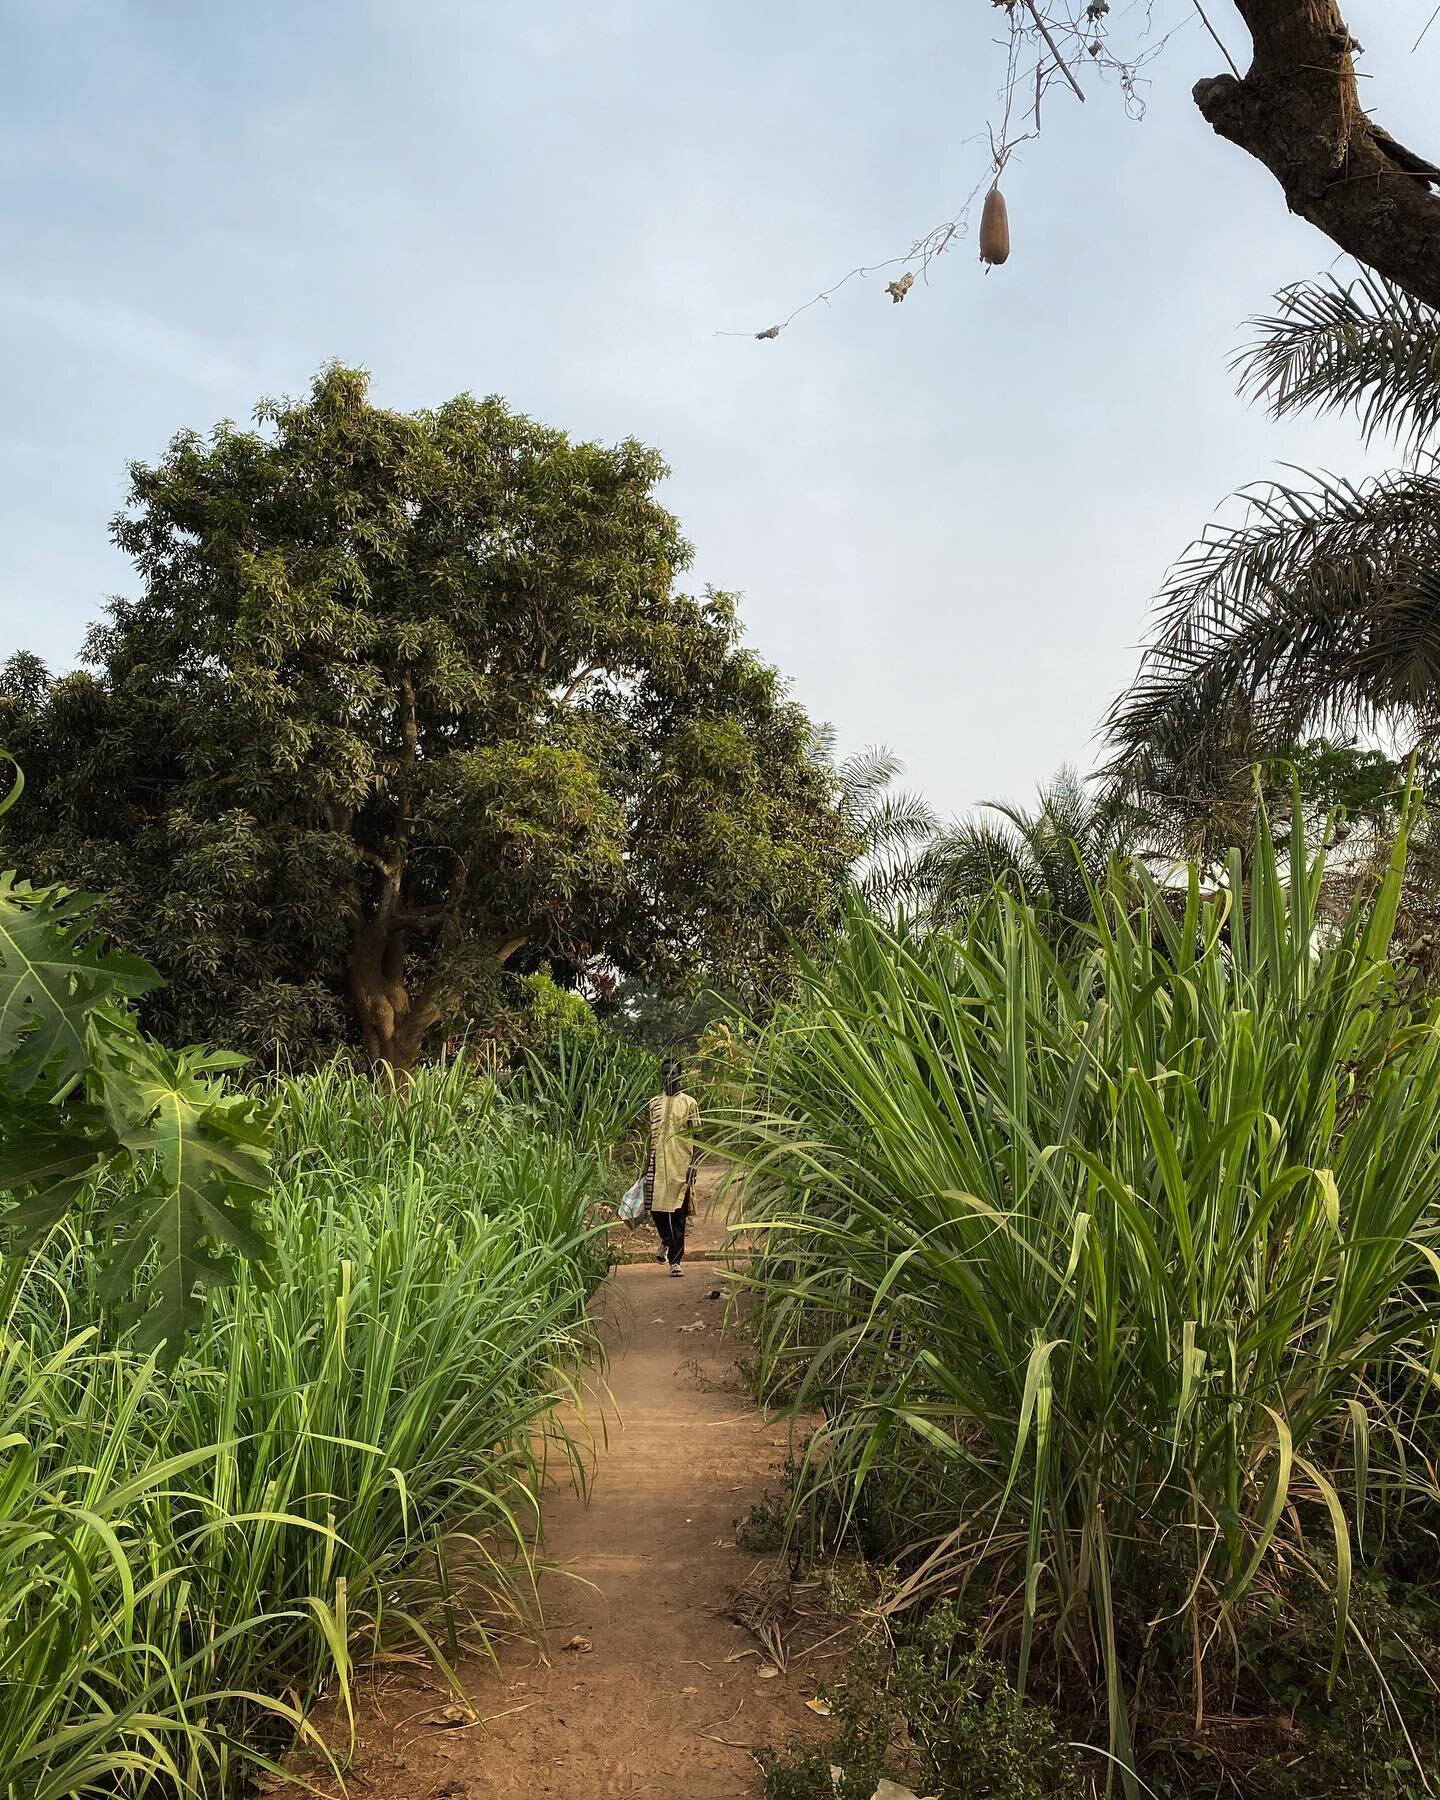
x,y
591,1087
349,1448
1113,1269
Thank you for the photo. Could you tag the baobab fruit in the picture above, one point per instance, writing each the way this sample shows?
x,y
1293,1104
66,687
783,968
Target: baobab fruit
x,y
994,229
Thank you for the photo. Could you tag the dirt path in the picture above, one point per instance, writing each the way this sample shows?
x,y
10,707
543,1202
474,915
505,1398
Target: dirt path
x,y
655,1706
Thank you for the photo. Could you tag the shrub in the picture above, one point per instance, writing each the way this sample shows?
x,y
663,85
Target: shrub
x,y
938,1714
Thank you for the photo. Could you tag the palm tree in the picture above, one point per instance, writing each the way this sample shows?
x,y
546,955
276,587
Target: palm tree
x,y
1054,854
1320,609
890,827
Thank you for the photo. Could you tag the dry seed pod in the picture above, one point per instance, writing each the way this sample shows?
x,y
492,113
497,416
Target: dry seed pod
x,y
994,229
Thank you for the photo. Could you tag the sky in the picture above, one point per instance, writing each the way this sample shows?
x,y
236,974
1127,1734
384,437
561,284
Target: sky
x,y
946,518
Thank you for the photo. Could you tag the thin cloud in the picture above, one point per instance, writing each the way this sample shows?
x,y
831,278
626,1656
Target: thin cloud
x,y
106,329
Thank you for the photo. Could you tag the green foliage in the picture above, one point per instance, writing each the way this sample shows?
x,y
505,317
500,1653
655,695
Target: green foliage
x,y
591,1088
406,702
1114,1268
352,1451
553,1013
1319,607
84,1093
938,1714
672,1020
1362,784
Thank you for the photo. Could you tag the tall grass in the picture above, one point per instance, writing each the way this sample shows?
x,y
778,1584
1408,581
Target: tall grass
x,y
592,1087
1112,1268
353,1445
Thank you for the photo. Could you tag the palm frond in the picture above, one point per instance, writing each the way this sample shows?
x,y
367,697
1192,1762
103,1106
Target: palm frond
x,y
1320,606
897,823
868,772
1050,854
969,859
824,744
1364,345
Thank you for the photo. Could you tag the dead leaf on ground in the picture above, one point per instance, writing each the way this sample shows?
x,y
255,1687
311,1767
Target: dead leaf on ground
x,y
699,1325
580,1645
453,1715
819,1706
767,1673
689,1690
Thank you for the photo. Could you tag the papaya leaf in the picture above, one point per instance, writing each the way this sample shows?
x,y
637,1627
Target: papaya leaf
x,y
201,1156
51,979
47,1155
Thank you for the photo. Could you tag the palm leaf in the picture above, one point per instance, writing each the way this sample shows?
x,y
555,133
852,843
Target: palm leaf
x,y
1320,606
1364,345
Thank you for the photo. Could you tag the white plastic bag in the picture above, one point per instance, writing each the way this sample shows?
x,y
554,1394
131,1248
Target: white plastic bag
x,y
632,1206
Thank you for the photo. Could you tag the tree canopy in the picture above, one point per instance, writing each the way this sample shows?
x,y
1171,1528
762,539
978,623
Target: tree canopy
x,y
407,701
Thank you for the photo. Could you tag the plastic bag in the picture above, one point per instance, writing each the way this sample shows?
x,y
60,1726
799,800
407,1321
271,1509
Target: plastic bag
x,y
632,1206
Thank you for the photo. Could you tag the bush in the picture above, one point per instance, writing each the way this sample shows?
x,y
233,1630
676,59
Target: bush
x,y
939,1715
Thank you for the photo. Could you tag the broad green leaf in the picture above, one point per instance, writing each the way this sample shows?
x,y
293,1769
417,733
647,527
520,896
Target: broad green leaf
x,y
202,1157
51,980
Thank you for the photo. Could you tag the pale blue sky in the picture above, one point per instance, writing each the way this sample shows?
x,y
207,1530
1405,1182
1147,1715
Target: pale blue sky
x,y
946,518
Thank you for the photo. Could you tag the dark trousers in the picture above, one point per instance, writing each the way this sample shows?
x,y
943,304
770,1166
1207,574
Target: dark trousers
x,y
671,1226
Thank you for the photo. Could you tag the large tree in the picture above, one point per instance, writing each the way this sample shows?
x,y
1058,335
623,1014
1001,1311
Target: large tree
x,y
406,701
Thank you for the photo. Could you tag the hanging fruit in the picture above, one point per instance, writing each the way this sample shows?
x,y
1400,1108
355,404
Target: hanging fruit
x,y
994,229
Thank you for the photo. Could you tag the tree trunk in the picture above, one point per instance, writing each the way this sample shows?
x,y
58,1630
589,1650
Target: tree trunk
x,y
394,1024
1297,110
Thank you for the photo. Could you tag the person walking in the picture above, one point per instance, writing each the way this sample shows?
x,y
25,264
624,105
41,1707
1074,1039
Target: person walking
x,y
670,1165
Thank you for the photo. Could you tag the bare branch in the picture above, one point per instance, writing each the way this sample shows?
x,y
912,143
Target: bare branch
x,y
1219,41
579,682
375,860
1060,62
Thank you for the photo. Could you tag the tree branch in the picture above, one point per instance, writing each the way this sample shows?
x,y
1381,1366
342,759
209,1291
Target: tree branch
x,y
1297,110
420,916
579,682
510,945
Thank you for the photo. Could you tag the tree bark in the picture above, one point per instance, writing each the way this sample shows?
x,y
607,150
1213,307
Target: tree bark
x,y
1297,110
393,1023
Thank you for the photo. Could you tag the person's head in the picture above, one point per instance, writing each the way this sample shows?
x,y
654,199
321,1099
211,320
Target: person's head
x,y
670,1075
